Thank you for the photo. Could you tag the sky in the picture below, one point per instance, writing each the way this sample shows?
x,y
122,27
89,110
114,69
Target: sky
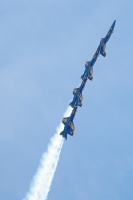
x,y
43,49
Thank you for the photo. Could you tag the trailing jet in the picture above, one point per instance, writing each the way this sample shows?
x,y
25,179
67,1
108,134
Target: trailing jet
x,y
68,124
88,70
103,41
77,92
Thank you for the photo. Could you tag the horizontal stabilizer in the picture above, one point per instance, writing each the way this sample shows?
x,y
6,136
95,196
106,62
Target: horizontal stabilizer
x,y
103,53
90,78
75,103
64,134
71,133
80,104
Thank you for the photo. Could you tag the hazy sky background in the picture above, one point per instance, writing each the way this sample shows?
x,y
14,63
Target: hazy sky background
x,y
43,48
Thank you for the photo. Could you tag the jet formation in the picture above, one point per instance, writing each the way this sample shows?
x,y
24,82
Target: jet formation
x,y
77,92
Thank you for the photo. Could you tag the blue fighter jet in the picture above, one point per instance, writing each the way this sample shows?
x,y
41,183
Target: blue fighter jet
x,y
103,41
88,70
77,92
77,99
69,125
89,66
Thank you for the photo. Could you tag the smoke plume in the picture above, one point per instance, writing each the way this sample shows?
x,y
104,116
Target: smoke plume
x,y
41,183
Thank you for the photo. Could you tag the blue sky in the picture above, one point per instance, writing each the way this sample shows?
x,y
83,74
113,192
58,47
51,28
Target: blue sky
x,y
44,46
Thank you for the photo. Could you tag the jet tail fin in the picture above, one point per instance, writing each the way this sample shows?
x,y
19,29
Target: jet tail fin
x,y
63,134
103,53
82,77
71,104
76,103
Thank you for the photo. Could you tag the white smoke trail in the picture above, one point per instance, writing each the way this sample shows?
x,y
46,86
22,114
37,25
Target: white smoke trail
x,y
41,183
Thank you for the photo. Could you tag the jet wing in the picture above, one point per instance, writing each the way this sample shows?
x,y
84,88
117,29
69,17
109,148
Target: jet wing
x,y
71,133
64,120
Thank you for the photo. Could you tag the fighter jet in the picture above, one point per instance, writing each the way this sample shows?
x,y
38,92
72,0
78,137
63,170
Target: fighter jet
x,y
77,99
103,41
88,70
89,66
69,125
77,92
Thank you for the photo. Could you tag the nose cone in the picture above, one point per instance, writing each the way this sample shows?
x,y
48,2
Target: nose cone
x,y
113,25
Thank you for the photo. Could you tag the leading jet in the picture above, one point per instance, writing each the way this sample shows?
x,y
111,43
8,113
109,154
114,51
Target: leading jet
x,y
77,92
100,50
102,46
68,124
